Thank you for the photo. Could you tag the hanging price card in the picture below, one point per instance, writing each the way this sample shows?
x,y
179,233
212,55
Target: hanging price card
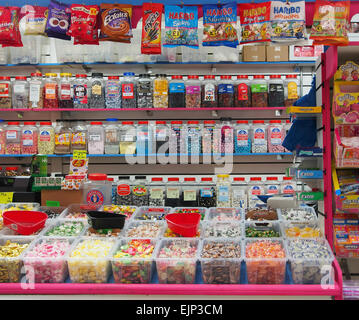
x,y
79,155
6,197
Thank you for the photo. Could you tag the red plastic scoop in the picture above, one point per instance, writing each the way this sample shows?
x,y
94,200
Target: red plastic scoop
x,y
24,222
185,224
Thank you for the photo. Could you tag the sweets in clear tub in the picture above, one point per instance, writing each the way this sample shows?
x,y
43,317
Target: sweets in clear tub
x,y
78,211
144,229
91,232
298,214
262,230
45,261
125,210
176,261
10,260
52,212
88,262
224,214
201,211
168,233
65,229
302,230
152,213
223,229
20,207
265,261
260,214
307,258
220,262
132,261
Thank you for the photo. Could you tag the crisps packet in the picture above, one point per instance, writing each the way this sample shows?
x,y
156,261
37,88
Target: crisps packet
x,y
331,23
59,19
9,27
33,20
84,24
116,22
255,22
151,28
287,20
181,26
220,25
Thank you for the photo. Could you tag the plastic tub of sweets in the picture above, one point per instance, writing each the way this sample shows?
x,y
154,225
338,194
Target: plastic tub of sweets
x,y
224,214
310,260
10,266
223,229
151,213
103,233
24,222
128,211
263,229
221,267
133,269
262,269
301,214
168,233
89,260
78,211
144,229
186,225
45,260
300,229
261,214
179,269
202,211
105,220
65,228
21,206
52,212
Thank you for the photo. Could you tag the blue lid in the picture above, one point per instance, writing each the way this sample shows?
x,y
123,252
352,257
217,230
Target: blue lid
x,y
1,120
128,74
111,119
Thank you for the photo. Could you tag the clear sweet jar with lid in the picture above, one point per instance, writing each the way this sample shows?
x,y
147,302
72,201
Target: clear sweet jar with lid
x,y
13,138
157,191
63,135
65,91
51,91
189,196
223,191
96,138
36,87
97,190
81,92
20,93
112,136
79,137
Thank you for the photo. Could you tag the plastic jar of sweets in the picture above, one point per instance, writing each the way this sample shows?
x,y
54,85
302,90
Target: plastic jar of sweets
x,y
81,92
173,192
65,91
79,137
193,92
63,135
242,92
97,91
36,87
51,91
46,138
209,92
259,91
225,92
160,91
224,192
145,91
13,138
112,136
96,138
5,93
291,89
20,93
29,138
177,92
275,91
113,92
97,190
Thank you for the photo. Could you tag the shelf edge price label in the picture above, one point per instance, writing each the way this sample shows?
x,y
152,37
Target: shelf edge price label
x,y
79,155
6,197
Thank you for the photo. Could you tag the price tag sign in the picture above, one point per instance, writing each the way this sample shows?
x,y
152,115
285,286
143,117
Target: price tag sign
x,y
79,155
6,197
50,203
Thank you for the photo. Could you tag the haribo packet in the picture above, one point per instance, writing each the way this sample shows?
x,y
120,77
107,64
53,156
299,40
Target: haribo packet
x,y
9,27
33,20
181,26
59,19
287,20
151,28
220,25
116,22
255,21
331,23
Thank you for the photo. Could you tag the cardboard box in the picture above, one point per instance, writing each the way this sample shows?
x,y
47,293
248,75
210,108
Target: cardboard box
x,y
65,197
253,53
277,53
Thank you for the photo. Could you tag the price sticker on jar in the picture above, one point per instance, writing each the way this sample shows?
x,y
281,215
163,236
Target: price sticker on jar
x,y
79,155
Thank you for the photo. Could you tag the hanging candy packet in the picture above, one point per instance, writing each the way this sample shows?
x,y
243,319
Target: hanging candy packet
x,y
331,23
151,28
181,26
287,20
84,24
33,20
116,22
220,25
58,22
9,27
255,22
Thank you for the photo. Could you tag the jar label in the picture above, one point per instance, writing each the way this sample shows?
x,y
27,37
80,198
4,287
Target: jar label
x,y
173,193
259,136
193,89
123,190
128,91
27,138
62,139
276,88
112,89
11,134
258,88
206,192
242,137
96,90
272,189
209,92
238,193
292,90
225,88
288,189
156,193
139,190
111,135
95,197
50,91
4,90
127,138
45,135
177,88
160,87
95,137
79,138
80,94
34,92
275,136
19,88
256,190
189,195
142,135
228,136
65,91
144,88
242,92
223,193
161,135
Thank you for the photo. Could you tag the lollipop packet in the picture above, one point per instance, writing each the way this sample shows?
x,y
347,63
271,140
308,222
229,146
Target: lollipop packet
x,y
255,22
181,26
58,22
331,23
9,27
287,20
220,25
33,19
151,28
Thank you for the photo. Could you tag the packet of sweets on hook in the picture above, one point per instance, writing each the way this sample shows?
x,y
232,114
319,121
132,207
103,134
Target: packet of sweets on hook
x,y
151,28
220,25
255,22
181,26
58,22
287,20
331,23
33,20
9,27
